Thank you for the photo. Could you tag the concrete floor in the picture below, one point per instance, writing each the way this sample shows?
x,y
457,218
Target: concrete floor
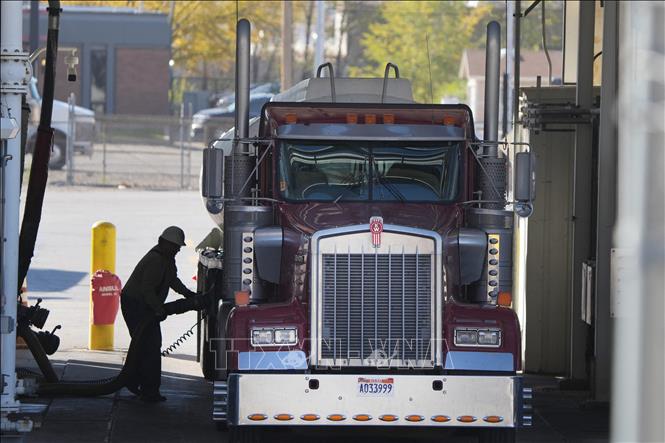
x,y
59,275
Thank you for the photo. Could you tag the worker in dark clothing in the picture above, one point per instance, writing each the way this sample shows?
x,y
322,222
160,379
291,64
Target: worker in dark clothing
x,y
143,295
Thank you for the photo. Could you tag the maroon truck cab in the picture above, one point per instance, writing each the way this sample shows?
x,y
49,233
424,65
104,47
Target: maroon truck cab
x,y
367,264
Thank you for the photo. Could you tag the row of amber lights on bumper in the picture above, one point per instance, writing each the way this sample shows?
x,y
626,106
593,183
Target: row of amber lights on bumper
x,y
385,417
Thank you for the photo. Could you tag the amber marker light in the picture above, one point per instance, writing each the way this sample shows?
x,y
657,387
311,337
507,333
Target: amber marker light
x,y
362,417
336,417
370,119
283,417
351,118
505,299
440,418
241,298
291,119
449,120
309,417
389,119
466,418
388,417
414,417
493,419
257,417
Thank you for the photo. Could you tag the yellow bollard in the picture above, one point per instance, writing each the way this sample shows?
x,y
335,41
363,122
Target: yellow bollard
x,y
102,258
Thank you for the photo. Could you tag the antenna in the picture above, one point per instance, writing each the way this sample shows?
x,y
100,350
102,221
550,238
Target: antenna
x,y
429,68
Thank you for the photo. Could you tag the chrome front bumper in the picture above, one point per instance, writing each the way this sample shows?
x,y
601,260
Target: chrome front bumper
x,y
284,399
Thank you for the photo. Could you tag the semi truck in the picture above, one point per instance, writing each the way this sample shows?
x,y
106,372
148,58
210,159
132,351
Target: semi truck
x,y
365,274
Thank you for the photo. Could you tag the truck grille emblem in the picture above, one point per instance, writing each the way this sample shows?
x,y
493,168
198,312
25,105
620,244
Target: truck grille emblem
x,y
376,228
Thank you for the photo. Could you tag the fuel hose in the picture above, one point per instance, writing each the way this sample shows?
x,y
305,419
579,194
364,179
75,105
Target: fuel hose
x,y
92,388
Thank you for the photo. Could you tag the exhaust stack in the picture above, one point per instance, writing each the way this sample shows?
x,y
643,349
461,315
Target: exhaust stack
x,y
492,61
239,165
491,217
492,176
243,34
241,217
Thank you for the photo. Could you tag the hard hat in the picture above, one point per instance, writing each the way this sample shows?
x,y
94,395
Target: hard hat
x,y
174,235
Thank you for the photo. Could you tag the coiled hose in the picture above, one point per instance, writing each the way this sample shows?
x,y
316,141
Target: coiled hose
x,y
183,338
92,388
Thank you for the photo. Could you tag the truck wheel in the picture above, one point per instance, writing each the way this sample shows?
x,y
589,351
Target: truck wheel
x,y
504,435
58,158
245,434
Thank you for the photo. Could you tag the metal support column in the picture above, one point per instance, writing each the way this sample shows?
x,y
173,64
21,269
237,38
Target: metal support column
x,y
319,45
14,82
638,254
582,191
607,158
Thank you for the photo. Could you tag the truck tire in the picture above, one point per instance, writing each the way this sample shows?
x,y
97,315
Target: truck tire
x,y
58,157
245,434
501,435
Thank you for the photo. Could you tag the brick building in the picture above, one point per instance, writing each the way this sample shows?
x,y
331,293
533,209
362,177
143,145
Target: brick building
x,y
123,58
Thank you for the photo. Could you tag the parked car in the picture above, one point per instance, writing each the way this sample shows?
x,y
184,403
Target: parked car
x,y
84,132
228,98
209,123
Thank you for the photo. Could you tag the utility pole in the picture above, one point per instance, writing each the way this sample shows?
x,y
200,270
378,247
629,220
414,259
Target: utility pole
x,y
319,49
286,67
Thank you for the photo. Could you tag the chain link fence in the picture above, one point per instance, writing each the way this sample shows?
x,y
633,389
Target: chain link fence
x,y
138,151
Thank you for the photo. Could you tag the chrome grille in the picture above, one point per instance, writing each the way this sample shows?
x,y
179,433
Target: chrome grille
x,y
377,309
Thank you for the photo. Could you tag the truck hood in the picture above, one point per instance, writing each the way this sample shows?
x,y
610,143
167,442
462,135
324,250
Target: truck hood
x,y
311,217
61,112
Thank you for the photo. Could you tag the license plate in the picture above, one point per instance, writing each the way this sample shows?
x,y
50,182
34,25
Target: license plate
x,y
376,387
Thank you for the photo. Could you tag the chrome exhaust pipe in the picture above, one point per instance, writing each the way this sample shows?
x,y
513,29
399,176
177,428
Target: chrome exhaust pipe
x,y
492,64
239,165
243,34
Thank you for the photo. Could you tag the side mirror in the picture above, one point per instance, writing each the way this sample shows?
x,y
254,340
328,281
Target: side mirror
x,y
525,183
212,178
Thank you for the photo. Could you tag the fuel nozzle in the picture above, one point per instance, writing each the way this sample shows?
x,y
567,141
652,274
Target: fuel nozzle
x,y
195,303
34,315
49,341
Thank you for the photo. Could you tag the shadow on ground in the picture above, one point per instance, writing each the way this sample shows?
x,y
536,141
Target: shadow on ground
x,y
53,280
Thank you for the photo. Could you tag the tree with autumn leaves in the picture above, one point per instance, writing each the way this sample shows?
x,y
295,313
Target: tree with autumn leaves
x,y
425,39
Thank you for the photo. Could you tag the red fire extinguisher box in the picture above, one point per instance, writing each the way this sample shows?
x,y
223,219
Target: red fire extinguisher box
x,y
106,289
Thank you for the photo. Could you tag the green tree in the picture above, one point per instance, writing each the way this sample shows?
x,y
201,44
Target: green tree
x,y
530,26
404,32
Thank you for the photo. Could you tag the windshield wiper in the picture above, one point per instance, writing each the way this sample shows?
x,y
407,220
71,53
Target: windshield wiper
x,y
389,186
353,182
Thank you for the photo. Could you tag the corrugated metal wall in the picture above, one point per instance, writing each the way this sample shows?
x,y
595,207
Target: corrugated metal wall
x,y
549,246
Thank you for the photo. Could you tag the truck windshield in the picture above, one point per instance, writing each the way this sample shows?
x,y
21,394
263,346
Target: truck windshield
x,y
364,171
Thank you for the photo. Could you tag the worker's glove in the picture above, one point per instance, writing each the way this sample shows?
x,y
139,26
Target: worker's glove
x,y
160,315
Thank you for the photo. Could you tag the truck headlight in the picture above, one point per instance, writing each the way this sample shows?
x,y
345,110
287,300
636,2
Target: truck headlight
x,y
489,337
466,337
274,336
262,336
286,336
477,337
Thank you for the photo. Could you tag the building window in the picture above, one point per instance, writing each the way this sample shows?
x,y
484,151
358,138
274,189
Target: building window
x,y
98,79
